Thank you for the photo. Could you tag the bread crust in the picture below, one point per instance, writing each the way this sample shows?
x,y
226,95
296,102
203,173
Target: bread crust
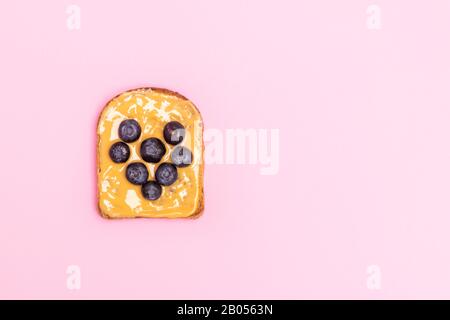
x,y
200,202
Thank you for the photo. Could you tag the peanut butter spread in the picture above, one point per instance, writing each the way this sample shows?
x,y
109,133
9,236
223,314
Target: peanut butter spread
x,y
152,109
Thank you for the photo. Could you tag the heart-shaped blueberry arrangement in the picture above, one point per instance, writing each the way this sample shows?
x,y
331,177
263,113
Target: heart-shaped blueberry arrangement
x,y
152,150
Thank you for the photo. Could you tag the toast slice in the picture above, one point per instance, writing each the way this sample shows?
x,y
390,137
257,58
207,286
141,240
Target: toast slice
x,y
136,135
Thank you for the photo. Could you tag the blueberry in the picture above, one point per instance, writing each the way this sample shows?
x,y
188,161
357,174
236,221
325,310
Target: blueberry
x,y
152,150
166,174
129,130
151,190
181,156
119,152
137,173
174,132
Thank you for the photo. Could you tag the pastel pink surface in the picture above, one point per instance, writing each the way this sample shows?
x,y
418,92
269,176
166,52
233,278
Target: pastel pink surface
x,y
364,160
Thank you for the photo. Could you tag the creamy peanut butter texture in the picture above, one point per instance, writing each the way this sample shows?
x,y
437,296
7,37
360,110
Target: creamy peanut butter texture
x,y
152,108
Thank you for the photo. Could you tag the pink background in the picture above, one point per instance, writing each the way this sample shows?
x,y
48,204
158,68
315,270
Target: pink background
x,y
364,154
